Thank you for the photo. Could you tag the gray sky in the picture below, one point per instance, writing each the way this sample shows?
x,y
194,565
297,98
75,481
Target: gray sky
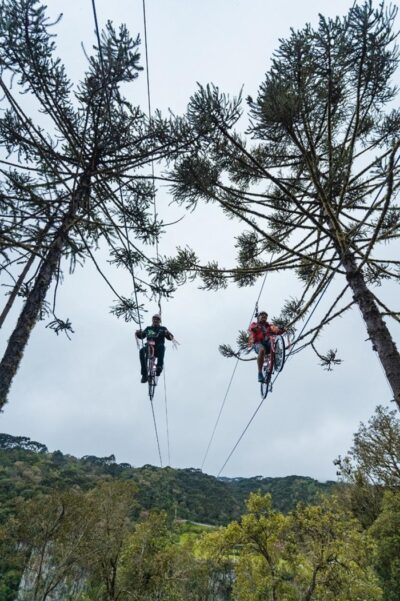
x,y
84,396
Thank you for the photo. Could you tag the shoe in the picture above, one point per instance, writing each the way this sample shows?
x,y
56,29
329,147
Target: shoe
x,y
144,379
260,376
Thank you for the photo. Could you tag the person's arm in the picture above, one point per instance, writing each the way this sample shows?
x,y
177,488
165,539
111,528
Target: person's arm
x,y
276,330
141,334
253,326
252,330
168,335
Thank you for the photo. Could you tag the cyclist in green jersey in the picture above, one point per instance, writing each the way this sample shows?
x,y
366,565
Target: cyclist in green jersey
x,y
158,333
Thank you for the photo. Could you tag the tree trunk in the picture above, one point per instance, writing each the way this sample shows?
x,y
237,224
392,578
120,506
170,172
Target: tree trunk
x,y
378,332
30,312
16,289
35,253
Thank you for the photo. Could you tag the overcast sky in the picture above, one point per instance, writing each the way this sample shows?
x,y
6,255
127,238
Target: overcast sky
x,y
84,396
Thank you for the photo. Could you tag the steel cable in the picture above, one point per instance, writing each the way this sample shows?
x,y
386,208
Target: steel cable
x,y
155,209
232,376
262,401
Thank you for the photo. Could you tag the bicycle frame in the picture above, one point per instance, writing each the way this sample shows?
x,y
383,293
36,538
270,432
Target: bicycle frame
x,y
271,364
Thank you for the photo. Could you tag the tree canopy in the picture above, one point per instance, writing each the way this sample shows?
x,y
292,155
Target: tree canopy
x,y
72,172
314,179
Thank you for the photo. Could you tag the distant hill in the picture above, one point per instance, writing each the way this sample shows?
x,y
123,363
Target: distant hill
x,y
28,469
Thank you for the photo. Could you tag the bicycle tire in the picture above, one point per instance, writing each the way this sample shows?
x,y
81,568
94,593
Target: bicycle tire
x,y
279,358
151,373
265,384
152,386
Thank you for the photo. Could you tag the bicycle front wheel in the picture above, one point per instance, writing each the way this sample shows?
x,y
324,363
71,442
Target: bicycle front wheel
x,y
279,359
152,386
265,384
151,372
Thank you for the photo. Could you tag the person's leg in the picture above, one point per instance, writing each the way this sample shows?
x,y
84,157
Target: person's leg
x,y
265,349
260,358
143,362
259,348
262,348
160,352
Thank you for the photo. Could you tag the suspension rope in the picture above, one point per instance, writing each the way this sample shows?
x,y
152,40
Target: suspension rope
x,y
324,289
128,248
166,418
150,113
155,218
156,431
220,413
147,58
255,311
131,269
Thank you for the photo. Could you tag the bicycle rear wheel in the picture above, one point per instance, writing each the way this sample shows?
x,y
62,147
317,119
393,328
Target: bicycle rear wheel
x,y
279,359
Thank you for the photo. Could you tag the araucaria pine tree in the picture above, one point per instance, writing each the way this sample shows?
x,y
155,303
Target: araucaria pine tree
x,y
315,178
71,171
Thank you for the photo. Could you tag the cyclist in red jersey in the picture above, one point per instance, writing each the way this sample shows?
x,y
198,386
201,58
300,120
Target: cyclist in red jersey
x,y
260,331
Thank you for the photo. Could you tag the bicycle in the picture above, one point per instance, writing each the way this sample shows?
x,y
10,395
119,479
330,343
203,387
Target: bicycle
x,y
273,362
152,377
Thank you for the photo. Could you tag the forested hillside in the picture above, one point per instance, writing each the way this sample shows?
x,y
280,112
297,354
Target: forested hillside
x,y
27,469
91,529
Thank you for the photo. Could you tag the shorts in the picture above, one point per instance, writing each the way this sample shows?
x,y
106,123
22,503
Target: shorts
x,y
265,343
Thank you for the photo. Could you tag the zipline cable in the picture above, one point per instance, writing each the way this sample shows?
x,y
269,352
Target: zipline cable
x,y
156,431
149,113
141,340
166,418
131,269
220,413
262,401
129,249
129,257
232,376
155,215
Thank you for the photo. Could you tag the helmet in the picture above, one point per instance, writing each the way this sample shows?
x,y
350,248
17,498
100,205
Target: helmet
x,y
157,316
262,313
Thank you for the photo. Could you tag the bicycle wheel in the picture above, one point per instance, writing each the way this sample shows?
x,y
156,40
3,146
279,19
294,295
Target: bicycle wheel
x,y
152,386
151,372
265,384
279,359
